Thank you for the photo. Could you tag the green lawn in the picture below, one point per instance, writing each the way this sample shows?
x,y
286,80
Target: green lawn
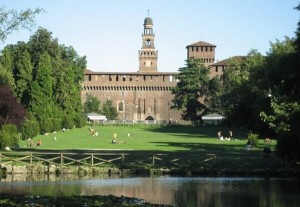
x,y
148,138
189,144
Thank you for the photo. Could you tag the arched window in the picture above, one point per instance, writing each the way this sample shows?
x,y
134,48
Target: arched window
x,y
121,106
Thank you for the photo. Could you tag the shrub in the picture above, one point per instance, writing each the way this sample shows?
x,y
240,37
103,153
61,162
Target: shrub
x,y
80,120
8,136
56,124
253,139
29,129
68,122
46,126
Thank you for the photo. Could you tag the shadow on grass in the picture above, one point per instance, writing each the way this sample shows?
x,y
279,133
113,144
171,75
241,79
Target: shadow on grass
x,y
199,131
226,148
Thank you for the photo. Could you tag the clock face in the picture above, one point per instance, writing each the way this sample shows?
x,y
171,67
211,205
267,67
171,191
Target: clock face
x,y
148,63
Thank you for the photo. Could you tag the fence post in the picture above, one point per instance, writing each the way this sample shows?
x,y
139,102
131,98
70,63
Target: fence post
x,y
214,160
61,160
30,158
123,159
153,160
92,160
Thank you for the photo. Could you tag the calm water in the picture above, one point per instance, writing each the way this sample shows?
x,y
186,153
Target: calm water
x,y
177,191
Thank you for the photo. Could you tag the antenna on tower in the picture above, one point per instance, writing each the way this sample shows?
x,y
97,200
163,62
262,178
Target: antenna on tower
x,y
148,12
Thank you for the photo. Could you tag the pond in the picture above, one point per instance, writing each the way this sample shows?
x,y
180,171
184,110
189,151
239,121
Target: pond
x,y
176,191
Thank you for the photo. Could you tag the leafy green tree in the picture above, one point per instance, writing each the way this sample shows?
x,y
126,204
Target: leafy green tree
x,y
92,104
283,81
67,72
242,96
191,89
6,73
46,126
68,122
56,124
12,20
8,136
80,120
29,129
41,92
109,110
214,92
22,71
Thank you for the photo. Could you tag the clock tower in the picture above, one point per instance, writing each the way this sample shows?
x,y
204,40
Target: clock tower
x,y
148,54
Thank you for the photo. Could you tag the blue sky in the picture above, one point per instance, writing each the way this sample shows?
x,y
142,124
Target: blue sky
x,y
108,32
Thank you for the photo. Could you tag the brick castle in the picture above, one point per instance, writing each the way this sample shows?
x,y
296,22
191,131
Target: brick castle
x,y
146,94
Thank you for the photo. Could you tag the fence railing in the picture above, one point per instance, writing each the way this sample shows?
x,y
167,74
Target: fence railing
x,y
108,159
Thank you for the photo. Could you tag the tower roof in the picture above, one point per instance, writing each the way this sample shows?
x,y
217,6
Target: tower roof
x,y
148,21
201,43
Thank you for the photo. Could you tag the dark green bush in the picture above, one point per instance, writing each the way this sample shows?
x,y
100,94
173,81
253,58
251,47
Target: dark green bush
x,y
80,120
56,124
68,122
8,136
29,129
253,139
46,126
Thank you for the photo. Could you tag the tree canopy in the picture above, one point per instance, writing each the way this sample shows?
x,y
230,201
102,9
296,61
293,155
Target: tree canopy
x,y
191,88
13,20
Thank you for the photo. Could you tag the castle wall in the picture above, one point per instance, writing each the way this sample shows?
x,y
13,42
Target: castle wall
x,y
137,96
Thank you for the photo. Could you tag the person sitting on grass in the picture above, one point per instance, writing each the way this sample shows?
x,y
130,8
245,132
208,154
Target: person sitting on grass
x,y
39,143
30,143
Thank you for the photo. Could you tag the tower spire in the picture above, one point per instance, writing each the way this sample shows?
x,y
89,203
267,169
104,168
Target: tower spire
x,y
148,54
148,12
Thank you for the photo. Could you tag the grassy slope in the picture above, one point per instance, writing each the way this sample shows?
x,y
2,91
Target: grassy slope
x,y
141,138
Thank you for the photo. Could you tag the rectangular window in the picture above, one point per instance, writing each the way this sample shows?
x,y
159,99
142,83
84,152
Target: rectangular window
x,y
216,69
90,77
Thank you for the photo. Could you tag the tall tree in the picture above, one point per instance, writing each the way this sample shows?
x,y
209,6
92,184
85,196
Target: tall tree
x,y
41,92
240,92
283,80
214,92
191,89
6,73
91,104
22,71
109,110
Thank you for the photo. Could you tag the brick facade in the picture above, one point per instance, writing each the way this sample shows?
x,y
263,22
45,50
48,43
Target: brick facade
x,y
137,96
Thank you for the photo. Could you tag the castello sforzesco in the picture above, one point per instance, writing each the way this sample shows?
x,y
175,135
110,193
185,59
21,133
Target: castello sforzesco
x,y
146,94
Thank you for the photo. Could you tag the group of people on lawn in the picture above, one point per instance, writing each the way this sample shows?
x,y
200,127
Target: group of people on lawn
x,y
222,137
32,144
114,140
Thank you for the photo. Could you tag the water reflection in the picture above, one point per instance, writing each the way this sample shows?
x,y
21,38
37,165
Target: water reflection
x,y
177,191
